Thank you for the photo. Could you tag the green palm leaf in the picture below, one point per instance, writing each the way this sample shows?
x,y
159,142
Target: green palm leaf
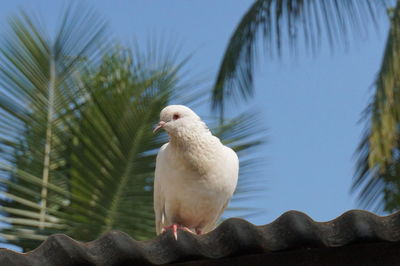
x,y
377,175
36,78
297,24
113,163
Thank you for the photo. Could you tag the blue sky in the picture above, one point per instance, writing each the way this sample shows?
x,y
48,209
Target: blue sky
x,y
310,106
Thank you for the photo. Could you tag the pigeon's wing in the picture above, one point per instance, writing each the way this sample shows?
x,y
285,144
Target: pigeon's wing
x,y
232,171
211,226
159,199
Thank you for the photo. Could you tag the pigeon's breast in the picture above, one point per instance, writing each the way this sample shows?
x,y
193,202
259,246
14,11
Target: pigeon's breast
x,y
195,196
196,204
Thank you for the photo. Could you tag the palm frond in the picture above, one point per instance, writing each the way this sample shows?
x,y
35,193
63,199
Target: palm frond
x,y
113,161
377,170
36,76
292,24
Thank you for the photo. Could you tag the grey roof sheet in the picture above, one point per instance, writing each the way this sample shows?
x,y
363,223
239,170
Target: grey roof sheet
x,y
292,231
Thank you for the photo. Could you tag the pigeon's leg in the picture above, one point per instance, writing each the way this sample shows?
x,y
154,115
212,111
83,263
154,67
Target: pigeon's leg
x,y
198,231
175,228
184,228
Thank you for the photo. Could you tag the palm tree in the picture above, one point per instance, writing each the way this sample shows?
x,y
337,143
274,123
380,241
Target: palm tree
x,y
306,24
77,149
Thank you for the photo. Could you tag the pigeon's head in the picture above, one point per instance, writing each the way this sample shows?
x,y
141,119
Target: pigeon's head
x,y
174,117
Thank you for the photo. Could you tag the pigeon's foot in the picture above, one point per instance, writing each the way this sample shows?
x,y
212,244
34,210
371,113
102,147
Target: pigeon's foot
x,y
175,228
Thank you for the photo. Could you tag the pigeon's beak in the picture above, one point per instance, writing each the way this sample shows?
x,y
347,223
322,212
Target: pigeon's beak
x,y
159,125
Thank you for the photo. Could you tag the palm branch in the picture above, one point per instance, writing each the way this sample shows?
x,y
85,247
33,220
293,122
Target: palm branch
x,y
292,25
36,77
377,175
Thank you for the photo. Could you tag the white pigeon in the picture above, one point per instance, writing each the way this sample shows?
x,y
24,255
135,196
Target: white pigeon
x,y
195,174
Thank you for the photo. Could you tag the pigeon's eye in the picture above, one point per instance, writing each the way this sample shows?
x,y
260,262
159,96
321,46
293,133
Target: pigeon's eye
x,y
176,116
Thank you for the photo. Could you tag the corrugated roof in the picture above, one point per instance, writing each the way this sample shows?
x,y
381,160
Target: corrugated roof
x,y
293,232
